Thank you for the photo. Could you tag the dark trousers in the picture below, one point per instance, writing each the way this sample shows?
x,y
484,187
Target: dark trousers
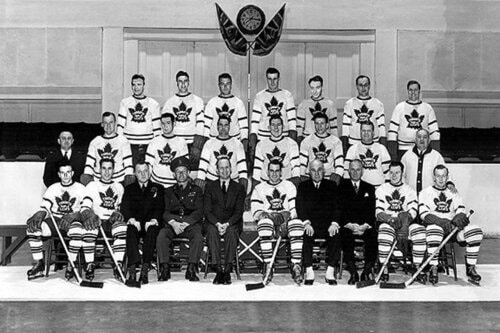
x,y
333,246
370,239
164,241
138,153
148,247
214,242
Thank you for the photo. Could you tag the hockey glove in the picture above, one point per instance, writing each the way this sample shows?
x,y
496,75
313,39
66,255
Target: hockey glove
x,y
406,220
277,219
443,223
395,223
116,217
35,222
67,219
88,217
460,221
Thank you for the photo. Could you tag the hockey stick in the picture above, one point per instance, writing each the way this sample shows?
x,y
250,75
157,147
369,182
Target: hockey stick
x,y
260,285
367,283
82,282
128,283
421,268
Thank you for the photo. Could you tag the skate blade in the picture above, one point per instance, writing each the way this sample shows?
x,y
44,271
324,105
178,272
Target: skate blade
x,y
34,277
476,283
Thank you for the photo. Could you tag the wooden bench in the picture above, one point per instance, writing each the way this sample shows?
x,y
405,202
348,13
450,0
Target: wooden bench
x,y
9,247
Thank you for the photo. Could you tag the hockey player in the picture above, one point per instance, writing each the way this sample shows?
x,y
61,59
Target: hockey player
x,y
113,146
407,118
322,146
396,211
222,146
63,201
188,111
273,207
373,155
101,206
163,149
230,106
310,106
139,118
361,109
279,148
441,210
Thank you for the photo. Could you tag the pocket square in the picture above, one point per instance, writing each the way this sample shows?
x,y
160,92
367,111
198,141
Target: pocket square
x,y
366,195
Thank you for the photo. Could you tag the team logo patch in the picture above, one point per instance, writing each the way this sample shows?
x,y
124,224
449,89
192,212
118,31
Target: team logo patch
x,y
107,152
321,153
108,198
182,113
273,107
225,111
414,119
223,153
363,114
369,160
395,201
166,155
317,109
442,203
276,155
65,203
138,113
276,200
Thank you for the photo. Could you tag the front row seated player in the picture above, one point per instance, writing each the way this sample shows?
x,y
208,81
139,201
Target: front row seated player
x,y
63,200
441,210
396,211
273,207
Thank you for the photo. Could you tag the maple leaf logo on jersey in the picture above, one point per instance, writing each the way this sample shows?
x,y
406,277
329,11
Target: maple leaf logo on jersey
x,y
65,203
321,153
363,114
138,113
395,201
442,203
166,155
276,200
369,160
225,111
182,113
108,198
414,120
317,109
223,153
107,152
273,107
276,155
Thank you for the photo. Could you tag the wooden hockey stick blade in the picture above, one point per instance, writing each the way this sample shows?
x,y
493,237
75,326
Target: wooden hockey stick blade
x,y
385,285
367,283
91,284
254,286
133,284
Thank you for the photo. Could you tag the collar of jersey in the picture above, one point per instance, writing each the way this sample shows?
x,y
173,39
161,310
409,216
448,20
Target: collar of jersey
x,y
281,180
106,183
273,92
438,189
226,97
364,98
72,182
179,95
139,98
413,103
367,144
226,139
110,137
276,140
322,137
399,185
317,100
168,137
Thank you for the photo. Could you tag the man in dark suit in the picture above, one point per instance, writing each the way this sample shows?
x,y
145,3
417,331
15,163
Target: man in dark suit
x,y
318,206
54,158
223,203
358,220
182,217
142,209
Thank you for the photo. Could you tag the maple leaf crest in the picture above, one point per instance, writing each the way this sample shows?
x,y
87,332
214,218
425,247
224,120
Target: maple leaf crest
x,y
223,153
276,155
107,152
414,119
321,153
276,200
138,113
65,203
395,201
363,114
442,203
182,113
273,107
108,198
317,109
225,111
369,160
166,155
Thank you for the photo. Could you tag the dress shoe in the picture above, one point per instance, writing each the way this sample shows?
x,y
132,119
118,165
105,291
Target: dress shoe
x,y
164,272
227,278
191,273
219,276
354,278
144,274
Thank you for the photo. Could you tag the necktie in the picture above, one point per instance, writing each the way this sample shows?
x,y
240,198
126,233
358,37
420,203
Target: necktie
x,y
224,189
356,189
66,155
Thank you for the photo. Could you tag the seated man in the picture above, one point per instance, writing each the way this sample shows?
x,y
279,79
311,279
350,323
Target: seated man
x,y
318,205
62,200
142,208
223,205
358,220
273,207
182,218
101,205
442,210
396,211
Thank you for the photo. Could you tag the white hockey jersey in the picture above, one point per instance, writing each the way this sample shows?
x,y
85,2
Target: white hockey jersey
x,y
139,119
358,110
442,203
188,112
284,150
327,149
216,148
62,199
393,200
268,103
375,159
103,198
274,198
306,111
231,107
